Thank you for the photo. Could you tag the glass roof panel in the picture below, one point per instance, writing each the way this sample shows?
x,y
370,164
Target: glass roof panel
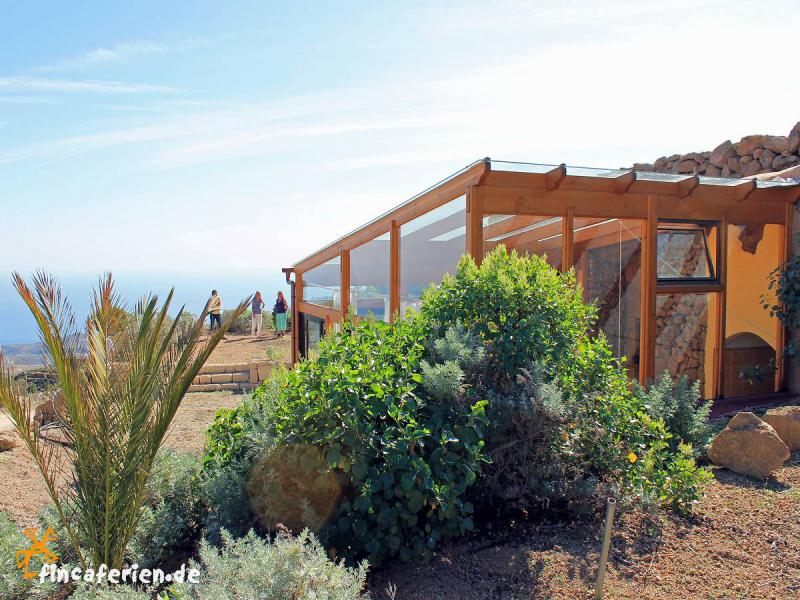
x,y
778,183
521,167
651,176
591,172
719,180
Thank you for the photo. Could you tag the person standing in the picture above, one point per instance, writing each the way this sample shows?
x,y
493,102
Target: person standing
x,y
281,308
215,310
257,307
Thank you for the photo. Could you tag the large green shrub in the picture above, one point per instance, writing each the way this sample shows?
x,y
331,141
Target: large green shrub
x,y
565,424
402,462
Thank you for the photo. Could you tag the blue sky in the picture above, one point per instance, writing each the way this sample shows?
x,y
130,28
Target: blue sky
x,y
189,137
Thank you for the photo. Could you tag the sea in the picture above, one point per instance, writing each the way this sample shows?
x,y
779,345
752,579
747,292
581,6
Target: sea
x,y
17,326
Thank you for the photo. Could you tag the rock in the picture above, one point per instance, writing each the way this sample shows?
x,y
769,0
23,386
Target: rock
x,y
776,143
784,162
726,172
673,158
713,171
8,441
766,158
733,164
749,143
748,446
684,166
660,163
751,168
643,167
785,420
745,159
51,411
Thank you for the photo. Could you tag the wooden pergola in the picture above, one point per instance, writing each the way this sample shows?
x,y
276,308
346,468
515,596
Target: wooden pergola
x,y
500,197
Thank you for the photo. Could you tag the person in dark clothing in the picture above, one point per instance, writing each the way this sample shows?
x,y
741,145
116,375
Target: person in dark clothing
x,y
281,308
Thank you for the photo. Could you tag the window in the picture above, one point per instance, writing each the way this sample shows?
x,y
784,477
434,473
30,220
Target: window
x,y
539,235
369,278
431,246
608,265
322,285
686,337
687,252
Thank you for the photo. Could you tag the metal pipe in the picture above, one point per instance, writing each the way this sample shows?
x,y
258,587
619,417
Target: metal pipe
x,y
611,505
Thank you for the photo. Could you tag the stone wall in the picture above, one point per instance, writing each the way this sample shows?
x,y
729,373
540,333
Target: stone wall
x,y
751,155
235,377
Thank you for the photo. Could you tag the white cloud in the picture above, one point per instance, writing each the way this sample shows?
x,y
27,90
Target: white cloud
x,y
39,84
98,56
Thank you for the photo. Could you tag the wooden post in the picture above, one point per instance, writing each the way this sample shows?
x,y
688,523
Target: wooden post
x,y
567,256
647,335
394,270
298,295
722,271
782,334
344,261
474,219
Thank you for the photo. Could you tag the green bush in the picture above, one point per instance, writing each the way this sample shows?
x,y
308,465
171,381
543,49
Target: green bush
x,y
173,510
565,424
287,567
682,408
402,463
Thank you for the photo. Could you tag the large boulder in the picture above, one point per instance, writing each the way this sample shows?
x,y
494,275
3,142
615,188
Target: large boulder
x,y
776,143
749,143
748,446
785,420
720,155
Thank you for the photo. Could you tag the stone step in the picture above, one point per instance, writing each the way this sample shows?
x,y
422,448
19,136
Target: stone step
x,y
243,376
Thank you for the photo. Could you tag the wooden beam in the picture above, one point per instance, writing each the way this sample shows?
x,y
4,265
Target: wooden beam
x,y
322,312
553,178
474,242
782,334
624,182
418,205
567,255
722,274
742,191
344,259
394,270
647,335
688,288
687,186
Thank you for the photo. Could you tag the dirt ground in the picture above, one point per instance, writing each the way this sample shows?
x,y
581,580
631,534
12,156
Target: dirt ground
x,y
23,493
237,348
742,542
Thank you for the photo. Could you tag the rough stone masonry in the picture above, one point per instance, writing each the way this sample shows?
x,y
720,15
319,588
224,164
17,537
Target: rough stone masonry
x,y
751,155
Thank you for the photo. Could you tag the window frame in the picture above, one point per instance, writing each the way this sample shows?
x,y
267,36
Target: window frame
x,y
697,284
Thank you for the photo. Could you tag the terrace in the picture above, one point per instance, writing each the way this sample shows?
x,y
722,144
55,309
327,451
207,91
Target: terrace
x,y
676,264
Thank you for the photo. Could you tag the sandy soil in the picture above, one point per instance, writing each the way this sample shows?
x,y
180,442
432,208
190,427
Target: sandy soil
x,y
743,542
236,348
23,493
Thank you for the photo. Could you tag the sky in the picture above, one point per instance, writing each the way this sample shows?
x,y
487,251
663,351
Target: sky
x,y
201,138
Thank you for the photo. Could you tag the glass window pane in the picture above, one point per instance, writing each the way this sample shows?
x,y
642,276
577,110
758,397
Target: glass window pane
x,y
608,265
686,337
322,285
312,330
369,278
431,246
750,333
538,235
686,251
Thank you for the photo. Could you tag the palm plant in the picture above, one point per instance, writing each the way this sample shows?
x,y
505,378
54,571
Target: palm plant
x,y
122,382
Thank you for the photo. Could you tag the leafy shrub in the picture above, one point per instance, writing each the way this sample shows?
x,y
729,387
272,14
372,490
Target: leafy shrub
x,y
682,408
288,567
402,463
173,511
564,422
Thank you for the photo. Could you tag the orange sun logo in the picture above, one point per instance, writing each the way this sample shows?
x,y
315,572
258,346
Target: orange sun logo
x,y
37,547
